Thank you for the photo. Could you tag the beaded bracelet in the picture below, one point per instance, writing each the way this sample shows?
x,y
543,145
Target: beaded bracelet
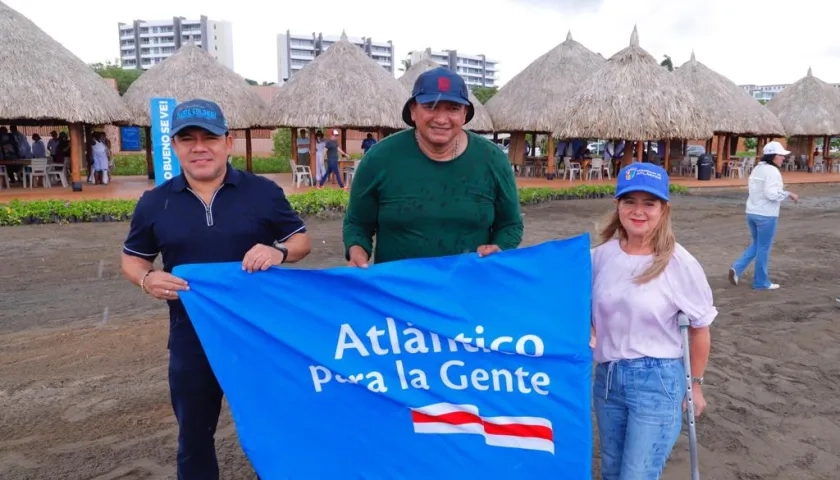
x,y
143,281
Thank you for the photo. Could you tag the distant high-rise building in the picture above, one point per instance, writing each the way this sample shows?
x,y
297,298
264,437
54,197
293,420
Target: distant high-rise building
x,y
476,70
295,50
767,92
144,44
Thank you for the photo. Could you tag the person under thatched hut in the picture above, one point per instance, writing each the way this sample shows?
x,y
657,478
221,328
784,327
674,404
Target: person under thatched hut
x,y
435,189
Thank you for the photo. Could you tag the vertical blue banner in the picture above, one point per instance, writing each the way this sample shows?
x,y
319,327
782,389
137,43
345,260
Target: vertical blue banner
x,y
164,159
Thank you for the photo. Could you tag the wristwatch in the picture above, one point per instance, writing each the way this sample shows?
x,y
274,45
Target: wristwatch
x,y
282,248
697,380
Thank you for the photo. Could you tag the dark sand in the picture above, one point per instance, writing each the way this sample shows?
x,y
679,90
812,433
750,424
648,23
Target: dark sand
x,y
83,359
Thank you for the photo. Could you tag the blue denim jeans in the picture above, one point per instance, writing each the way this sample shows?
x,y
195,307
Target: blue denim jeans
x,y
638,407
332,167
762,231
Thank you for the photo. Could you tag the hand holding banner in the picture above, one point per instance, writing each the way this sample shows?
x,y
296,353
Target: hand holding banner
x,y
450,368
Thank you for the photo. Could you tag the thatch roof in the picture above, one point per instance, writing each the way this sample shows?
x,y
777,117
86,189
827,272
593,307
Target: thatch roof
x,y
731,109
536,97
632,97
191,73
809,107
342,87
43,82
480,122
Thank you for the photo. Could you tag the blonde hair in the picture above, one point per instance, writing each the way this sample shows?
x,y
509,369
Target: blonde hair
x,y
662,239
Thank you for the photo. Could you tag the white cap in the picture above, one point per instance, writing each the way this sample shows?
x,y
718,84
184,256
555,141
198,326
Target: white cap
x,y
335,132
775,148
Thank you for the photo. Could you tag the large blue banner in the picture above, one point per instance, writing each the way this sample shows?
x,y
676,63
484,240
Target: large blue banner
x,y
448,368
165,162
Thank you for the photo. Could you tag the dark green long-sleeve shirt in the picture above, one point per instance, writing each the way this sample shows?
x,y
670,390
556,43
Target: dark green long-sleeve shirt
x,y
418,207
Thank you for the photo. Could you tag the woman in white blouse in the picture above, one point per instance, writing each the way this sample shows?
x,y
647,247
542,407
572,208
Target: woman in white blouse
x,y
767,192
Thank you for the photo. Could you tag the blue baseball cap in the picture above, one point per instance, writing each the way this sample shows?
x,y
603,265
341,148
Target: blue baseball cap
x,y
199,114
643,177
439,85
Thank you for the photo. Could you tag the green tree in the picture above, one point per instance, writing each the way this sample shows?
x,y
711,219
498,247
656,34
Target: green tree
x,y
750,143
283,143
483,94
406,64
252,82
667,63
124,76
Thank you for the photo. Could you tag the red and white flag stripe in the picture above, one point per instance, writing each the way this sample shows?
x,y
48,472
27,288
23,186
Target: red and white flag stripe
x,y
530,433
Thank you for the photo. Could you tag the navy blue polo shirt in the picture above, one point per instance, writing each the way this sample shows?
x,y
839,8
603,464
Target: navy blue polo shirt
x,y
173,222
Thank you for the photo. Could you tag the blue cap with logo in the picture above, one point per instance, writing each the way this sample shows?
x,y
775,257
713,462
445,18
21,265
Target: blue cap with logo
x,y
199,114
439,85
643,177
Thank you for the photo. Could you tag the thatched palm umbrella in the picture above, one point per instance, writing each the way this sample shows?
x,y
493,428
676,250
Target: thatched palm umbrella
x,y
192,72
731,109
632,97
341,88
536,97
44,83
481,121
809,108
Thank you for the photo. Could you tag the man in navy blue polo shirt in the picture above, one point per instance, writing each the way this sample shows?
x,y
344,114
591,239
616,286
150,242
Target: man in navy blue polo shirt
x,y
210,213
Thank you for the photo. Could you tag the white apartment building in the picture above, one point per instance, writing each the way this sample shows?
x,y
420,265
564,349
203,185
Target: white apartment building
x,y
476,70
767,92
295,50
144,44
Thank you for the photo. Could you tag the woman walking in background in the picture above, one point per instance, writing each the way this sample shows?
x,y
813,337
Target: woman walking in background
x,y
642,279
332,149
766,194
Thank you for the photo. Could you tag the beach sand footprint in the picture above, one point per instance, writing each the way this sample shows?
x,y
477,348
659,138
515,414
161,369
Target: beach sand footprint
x,y
89,408
142,469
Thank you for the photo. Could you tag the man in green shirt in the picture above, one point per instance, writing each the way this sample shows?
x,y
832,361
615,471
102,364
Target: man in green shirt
x,y
435,189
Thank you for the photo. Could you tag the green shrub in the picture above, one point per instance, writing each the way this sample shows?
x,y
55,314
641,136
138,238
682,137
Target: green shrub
x,y
311,203
135,164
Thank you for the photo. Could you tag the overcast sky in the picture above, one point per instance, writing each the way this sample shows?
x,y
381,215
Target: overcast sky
x,y
749,41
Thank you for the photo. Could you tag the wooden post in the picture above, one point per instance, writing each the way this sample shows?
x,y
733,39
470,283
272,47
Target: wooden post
x,y
248,166
313,160
727,147
344,139
667,161
150,168
825,150
516,153
550,173
811,141
627,159
294,145
719,162
77,153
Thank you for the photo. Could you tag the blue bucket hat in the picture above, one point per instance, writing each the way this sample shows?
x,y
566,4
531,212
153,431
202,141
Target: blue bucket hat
x,y
439,85
199,114
643,177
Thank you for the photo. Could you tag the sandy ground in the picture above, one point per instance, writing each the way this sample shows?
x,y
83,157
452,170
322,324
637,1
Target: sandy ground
x,y
83,389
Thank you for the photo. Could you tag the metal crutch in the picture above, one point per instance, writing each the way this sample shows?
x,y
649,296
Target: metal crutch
x,y
682,319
